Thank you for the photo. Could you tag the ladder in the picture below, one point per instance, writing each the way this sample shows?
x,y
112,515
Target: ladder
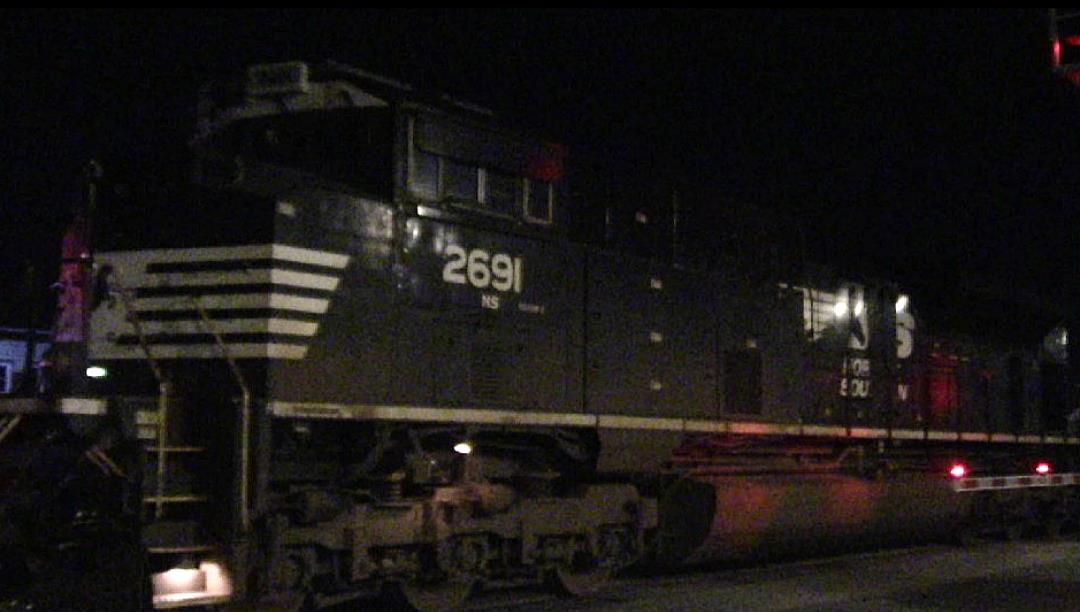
x,y
174,504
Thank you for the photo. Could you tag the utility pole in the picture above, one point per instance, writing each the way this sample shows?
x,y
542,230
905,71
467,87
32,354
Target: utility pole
x,y
1065,60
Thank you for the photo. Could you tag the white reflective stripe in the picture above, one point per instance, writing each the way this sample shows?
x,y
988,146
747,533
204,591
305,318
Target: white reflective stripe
x,y
82,405
752,428
787,429
300,304
555,419
411,413
285,327
285,252
868,432
288,327
749,428
698,426
223,278
86,406
279,252
304,279
630,422
235,301
200,254
823,430
245,350
607,421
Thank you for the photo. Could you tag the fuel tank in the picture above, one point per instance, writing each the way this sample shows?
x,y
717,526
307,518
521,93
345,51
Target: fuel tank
x,y
705,519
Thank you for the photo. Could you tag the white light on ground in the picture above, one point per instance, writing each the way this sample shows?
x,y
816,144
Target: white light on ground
x,y
901,304
463,447
179,580
182,585
96,372
217,579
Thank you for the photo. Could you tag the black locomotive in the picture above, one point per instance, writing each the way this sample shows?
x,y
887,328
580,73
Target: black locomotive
x,y
387,342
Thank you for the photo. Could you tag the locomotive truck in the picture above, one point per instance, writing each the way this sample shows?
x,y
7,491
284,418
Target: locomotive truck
x,y
386,343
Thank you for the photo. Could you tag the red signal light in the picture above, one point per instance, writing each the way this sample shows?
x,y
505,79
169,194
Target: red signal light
x,y
546,163
1057,53
1042,468
958,470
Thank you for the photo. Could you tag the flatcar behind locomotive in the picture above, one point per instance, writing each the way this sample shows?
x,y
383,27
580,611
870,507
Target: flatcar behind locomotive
x,y
376,347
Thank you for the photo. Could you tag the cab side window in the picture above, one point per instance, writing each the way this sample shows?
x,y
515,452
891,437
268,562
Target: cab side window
x,y
473,169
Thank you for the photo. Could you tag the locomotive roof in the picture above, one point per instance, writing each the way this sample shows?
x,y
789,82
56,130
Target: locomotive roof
x,y
295,87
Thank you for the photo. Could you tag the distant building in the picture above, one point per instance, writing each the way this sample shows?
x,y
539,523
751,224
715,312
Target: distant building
x,y
13,356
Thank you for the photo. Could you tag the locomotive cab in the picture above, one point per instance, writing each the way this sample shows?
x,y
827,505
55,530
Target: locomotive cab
x,y
365,281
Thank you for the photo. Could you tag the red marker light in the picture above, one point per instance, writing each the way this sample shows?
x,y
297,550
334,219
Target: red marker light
x,y
1042,468
958,470
1057,53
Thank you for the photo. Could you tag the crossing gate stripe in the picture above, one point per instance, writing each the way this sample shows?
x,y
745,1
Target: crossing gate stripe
x,y
991,483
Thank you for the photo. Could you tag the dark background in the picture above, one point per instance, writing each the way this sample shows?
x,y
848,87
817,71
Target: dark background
x,y
922,145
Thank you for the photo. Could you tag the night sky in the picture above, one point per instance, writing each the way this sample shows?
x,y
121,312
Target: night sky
x,y
912,145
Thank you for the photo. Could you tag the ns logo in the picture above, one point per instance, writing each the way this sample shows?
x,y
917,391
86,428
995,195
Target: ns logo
x,y
851,301
855,375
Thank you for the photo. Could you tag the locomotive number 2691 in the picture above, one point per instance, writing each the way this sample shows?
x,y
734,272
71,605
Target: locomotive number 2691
x,y
481,269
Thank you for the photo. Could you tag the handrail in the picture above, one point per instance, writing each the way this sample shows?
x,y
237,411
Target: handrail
x,y
7,425
163,397
245,415
133,318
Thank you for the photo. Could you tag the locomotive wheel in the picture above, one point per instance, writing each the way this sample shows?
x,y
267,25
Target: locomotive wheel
x,y
582,577
435,595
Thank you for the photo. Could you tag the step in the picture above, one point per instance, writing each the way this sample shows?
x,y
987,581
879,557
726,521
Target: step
x,y
172,536
175,449
169,602
175,499
180,550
